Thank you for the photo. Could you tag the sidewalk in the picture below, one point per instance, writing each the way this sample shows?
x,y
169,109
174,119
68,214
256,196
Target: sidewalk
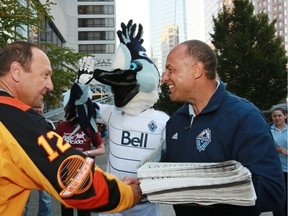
x,y
165,210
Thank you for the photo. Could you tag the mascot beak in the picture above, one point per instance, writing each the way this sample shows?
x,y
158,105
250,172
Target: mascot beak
x,y
123,82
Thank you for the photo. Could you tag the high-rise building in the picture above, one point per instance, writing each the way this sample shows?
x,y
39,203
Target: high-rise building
x,y
96,29
211,8
276,9
169,38
171,23
48,33
96,26
87,26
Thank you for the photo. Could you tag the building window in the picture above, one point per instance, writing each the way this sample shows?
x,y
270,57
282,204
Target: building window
x,y
96,22
96,35
50,34
97,48
95,9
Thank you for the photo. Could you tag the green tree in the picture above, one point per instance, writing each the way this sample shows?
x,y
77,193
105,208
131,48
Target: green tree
x,y
15,14
164,103
251,59
64,65
20,15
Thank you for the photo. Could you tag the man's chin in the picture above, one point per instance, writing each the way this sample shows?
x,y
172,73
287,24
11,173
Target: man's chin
x,y
173,98
176,99
38,104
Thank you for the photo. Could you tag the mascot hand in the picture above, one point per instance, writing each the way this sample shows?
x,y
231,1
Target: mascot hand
x,y
132,41
127,35
86,67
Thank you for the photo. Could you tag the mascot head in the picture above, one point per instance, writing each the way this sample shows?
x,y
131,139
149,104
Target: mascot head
x,y
134,78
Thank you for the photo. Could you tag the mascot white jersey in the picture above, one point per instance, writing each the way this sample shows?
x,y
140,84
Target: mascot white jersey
x,y
135,129
131,137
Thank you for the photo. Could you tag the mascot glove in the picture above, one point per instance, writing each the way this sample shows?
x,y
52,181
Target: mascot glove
x,y
86,67
127,35
131,41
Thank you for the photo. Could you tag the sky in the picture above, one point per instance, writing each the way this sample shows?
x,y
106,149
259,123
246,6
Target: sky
x,y
138,11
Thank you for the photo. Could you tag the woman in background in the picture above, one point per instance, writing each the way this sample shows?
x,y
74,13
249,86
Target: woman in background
x,y
279,132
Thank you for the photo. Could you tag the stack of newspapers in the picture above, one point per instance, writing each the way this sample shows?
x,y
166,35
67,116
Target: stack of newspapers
x,y
197,183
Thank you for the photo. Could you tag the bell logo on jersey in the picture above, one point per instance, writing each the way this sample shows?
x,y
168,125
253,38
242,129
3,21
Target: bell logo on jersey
x,y
140,141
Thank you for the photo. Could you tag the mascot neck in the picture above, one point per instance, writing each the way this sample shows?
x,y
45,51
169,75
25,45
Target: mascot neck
x,y
140,103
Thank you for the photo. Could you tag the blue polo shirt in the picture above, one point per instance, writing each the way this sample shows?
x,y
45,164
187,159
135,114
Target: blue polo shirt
x,y
280,138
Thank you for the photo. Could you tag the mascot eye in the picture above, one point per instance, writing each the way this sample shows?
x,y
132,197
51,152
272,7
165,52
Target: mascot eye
x,y
135,66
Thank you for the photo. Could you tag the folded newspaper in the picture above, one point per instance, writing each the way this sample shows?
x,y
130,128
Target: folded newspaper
x,y
197,183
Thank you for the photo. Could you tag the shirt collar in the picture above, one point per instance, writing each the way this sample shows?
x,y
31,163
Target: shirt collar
x,y
190,107
274,127
191,110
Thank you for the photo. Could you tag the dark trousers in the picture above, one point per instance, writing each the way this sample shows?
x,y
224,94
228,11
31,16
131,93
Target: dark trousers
x,y
69,212
283,212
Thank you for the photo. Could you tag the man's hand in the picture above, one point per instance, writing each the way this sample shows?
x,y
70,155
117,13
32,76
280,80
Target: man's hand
x,y
134,183
86,67
137,193
130,181
282,150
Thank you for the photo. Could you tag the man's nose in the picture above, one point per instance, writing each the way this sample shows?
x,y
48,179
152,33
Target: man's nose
x,y
165,77
49,85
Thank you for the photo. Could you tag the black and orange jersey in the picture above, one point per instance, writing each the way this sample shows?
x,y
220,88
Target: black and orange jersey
x,y
34,156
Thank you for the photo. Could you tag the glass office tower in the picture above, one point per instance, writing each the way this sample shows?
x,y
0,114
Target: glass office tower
x,y
172,22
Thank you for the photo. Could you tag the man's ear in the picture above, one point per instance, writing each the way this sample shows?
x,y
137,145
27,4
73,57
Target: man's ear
x,y
15,71
198,70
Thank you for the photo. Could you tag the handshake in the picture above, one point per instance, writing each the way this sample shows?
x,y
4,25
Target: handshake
x,y
135,184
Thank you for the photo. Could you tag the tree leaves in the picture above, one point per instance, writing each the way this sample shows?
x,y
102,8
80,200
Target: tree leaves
x,y
251,59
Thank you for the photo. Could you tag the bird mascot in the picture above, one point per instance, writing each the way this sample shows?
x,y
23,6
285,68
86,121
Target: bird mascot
x,y
135,129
